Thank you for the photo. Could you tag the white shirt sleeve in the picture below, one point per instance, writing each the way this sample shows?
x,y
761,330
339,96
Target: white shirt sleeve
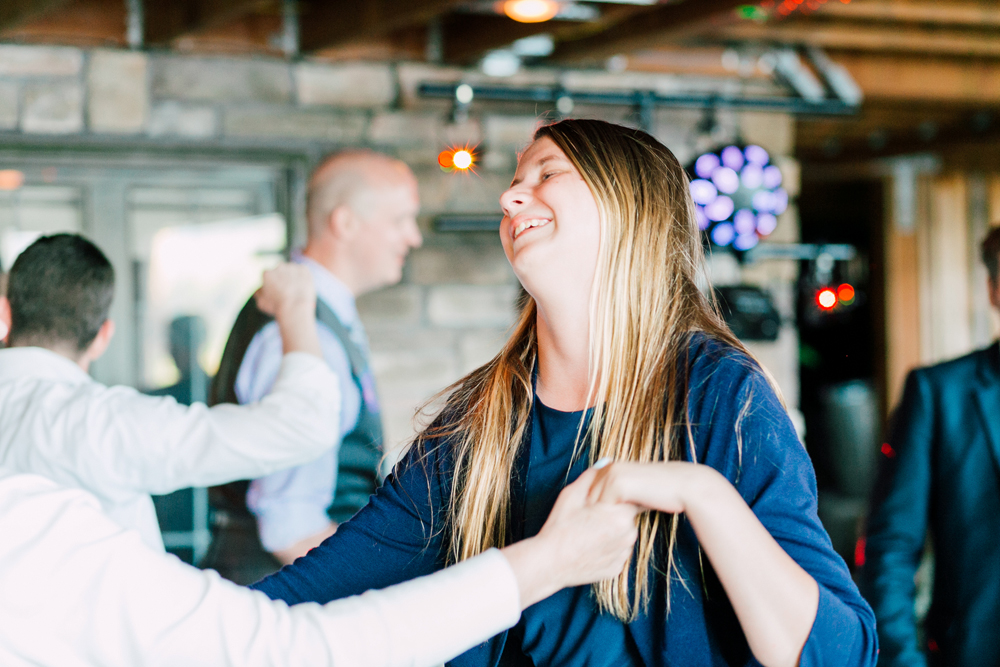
x,y
78,589
155,445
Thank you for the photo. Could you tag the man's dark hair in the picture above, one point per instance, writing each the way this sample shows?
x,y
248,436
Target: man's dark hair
x,y
60,290
990,250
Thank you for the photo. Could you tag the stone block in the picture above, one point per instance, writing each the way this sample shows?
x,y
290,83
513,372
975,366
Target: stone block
x,y
17,60
296,124
397,306
473,306
479,347
428,370
460,264
402,128
177,119
118,95
221,79
9,98
509,133
356,85
52,108
442,192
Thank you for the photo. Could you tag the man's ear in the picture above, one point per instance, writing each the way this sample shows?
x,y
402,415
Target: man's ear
x,y
101,341
4,318
343,222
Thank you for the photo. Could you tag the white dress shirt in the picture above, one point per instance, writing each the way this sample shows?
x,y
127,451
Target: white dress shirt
x,y
121,445
77,589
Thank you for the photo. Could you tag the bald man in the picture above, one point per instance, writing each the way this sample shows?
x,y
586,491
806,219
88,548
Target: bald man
x,y
361,210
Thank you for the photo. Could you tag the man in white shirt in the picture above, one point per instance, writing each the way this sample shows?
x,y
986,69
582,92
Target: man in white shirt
x,y
119,444
76,589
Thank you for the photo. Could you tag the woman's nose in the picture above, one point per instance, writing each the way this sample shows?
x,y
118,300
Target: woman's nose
x,y
511,200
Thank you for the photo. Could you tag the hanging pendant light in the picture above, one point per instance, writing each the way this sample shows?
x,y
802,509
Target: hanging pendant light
x,y
531,11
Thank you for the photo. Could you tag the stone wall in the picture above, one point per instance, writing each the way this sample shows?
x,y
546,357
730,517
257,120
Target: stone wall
x,y
453,308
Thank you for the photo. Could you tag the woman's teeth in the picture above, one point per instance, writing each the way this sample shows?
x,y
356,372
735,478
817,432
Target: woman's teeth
x,y
535,222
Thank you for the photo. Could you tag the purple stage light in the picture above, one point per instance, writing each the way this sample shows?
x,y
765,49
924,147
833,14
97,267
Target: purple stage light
x,y
727,180
745,241
752,176
723,234
763,200
780,201
756,155
766,223
732,157
720,209
772,177
744,221
701,218
706,164
703,192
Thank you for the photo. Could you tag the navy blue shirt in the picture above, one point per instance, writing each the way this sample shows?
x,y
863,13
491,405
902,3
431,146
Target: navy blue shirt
x,y
739,428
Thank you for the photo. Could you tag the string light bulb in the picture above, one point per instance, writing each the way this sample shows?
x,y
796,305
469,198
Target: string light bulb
x,y
531,11
826,299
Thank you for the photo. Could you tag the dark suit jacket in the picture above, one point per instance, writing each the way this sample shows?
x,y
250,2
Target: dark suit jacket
x,y
940,476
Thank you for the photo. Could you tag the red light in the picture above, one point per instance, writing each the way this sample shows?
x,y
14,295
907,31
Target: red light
x,y
445,159
846,294
826,299
859,552
888,450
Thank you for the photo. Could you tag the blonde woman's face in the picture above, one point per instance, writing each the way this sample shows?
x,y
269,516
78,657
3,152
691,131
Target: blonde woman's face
x,y
551,226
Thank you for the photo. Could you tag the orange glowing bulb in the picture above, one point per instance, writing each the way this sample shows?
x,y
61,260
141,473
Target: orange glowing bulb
x,y
845,293
531,11
446,159
462,159
11,179
826,298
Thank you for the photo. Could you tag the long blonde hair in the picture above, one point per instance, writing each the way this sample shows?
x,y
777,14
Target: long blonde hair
x,y
645,304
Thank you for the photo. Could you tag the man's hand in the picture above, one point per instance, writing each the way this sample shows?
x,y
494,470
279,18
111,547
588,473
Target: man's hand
x,y
289,295
579,544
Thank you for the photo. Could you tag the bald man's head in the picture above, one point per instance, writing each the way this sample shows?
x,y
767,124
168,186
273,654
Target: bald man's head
x,y
362,210
350,178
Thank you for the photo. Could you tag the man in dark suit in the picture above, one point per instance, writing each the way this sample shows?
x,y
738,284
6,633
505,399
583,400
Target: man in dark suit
x,y
940,478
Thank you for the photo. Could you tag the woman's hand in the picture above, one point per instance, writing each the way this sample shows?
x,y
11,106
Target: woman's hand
x,y
580,543
774,599
665,487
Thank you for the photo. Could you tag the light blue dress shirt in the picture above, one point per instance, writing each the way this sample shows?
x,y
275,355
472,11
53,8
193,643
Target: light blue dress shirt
x,y
291,505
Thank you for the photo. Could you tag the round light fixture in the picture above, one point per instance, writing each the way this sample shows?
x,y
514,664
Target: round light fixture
x,y
457,159
531,11
737,194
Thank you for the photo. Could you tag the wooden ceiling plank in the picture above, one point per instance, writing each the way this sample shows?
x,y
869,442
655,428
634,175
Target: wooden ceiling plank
x,y
656,26
329,23
865,37
166,20
942,13
16,13
897,78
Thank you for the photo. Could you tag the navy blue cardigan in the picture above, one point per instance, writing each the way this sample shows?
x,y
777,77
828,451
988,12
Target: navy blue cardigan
x,y
401,533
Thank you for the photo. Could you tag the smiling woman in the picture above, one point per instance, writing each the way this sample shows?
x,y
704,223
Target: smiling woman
x,y
617,354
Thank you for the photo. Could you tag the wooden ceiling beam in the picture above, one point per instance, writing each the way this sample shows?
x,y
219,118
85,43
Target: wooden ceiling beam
x,y
969,14
935,80
16,13
856,36
166,20
328,23
654,27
